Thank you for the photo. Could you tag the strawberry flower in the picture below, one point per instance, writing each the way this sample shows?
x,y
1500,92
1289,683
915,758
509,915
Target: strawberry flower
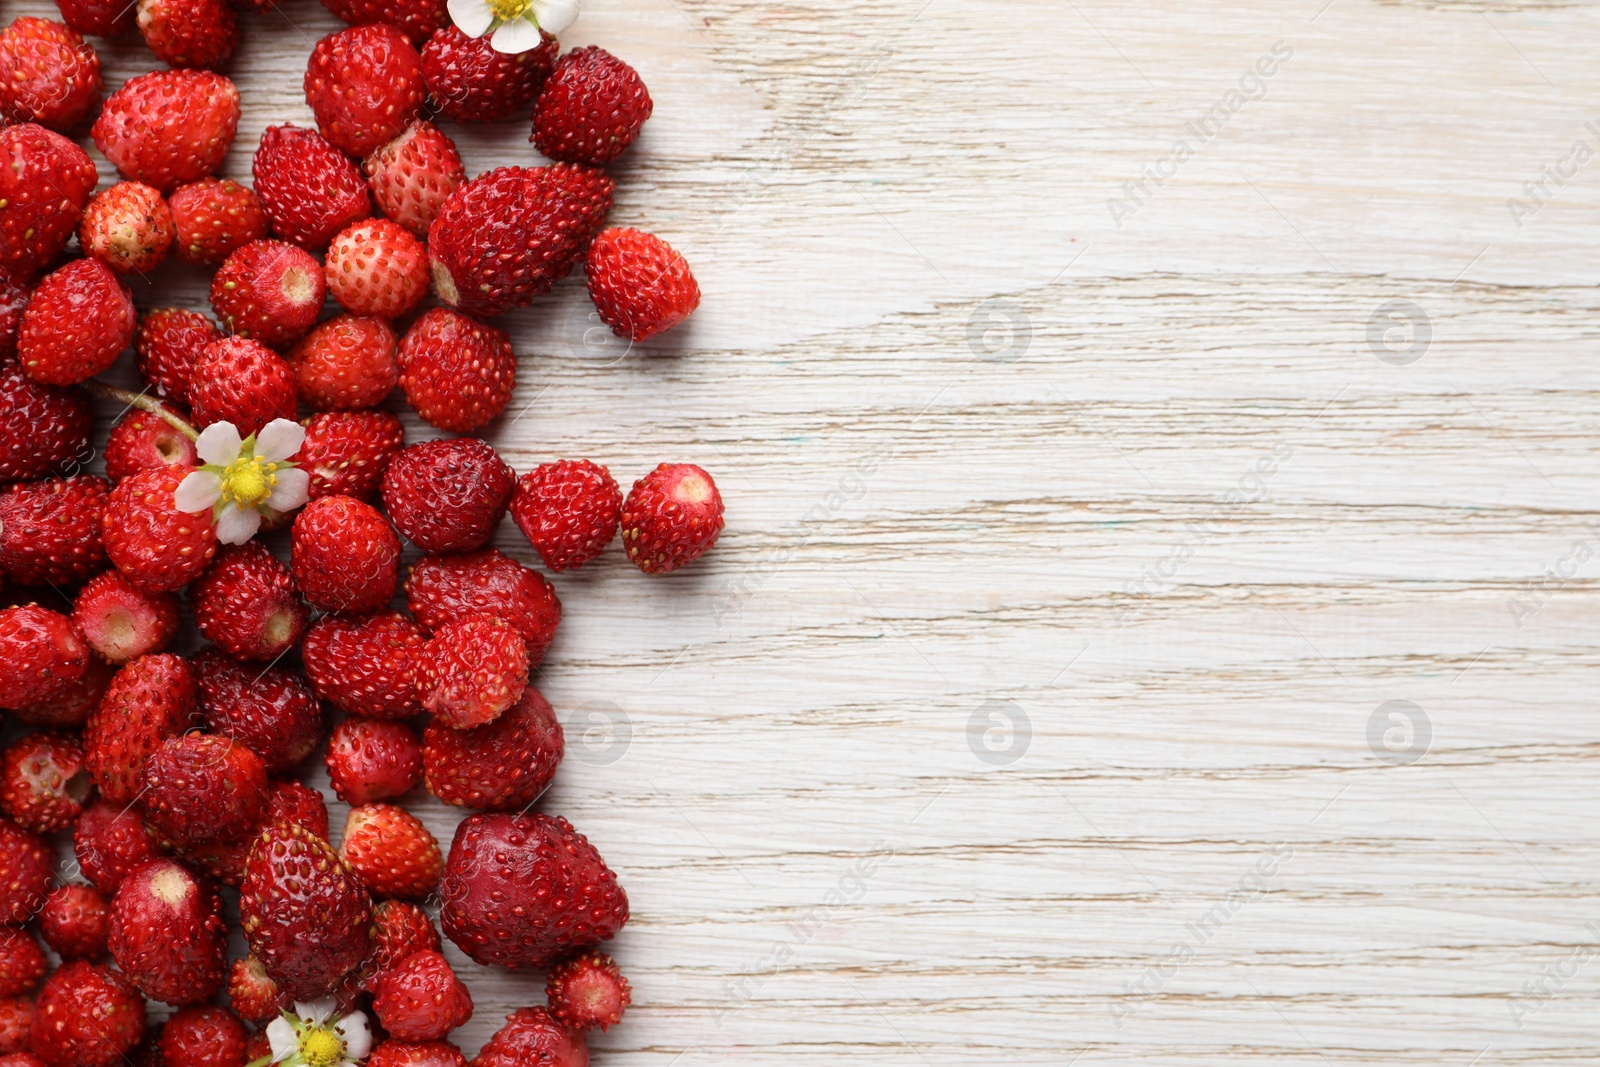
x,y
242,480
312,1036
516,23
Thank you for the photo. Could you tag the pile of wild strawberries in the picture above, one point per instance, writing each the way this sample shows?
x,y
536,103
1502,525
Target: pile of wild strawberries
x,y
177,776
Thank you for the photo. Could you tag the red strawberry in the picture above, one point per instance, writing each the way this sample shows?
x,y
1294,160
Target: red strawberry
x,y
344,555
414,1054
366,665
120,623
446,589
295,802
102,18
213,217
639,284
77,323
288,802
166,346
399,929
42,652
526,890
365,86
269,291
111,841
304,912
569,511
309,189
189,33
26,867
156,547
671,517
591,108
22,962
391,851
588,991
346,452
150,700
373,759
421,999
273,711
242,381
128,227
457,373
87,1016
75,921
447,496
14,293
43,428
347,363
471,82
144,441
376,267
503,766
204,788
45,180
245,604
203,1035
168,934
70,708
413,174
418,18
50,530
48,74
533,1035
255,996
168,127
16,1013
43,784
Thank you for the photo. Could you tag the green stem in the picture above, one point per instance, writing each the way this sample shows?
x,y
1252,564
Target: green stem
x,y
144,403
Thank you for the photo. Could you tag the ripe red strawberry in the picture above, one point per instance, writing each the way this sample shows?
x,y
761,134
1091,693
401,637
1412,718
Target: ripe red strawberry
x,y
366,665
143,441
166,346
128,227
391,851
48,74
270,291
100,18
591,108
43,428
295,802
120,623
671,517
421,999
26,867
75,922
150,700
70,708
365,86
414,1054
304,912
168,934
45,180
213,217
22,962
373,759
309,189
255,996
376,267
50,530
533,1035
569,511
203,1035
288,803
111,841
245,604
344,555
503,766
77,323
42,652
189,33
446,589
202,788
242,381
414,174
346,363
447,496
587,991
399,929
168,127
43,783
86,1016
273,711
346,452
471,82
156,547
418,18
457,373
526,890
639,284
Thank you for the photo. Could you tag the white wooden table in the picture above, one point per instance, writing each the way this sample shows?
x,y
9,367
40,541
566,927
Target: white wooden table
x,y
1037,705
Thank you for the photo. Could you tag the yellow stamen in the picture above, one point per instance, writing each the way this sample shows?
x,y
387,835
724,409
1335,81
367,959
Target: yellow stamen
x,y
322,1048
249,481
506,10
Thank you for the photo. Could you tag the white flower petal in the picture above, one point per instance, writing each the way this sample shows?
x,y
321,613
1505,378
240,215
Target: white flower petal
x,y
198,491
279,440
281,1036
292,491
237,524
515,37
219,443
555,15
472,17
318,1011
357,1035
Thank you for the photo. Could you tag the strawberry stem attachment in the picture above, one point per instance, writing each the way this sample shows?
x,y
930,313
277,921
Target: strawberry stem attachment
x,y
145,403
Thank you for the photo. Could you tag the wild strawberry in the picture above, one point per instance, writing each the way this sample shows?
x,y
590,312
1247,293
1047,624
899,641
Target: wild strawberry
x,y
120,623
365,86
418,18
213,217
346,452
591,108
413,174
144,441
471,82
100,18
111,841
253,993
167,344
48,74
376,267
201,788
533,1035
587,991
291,801
447,496
569,511
346,363
245,603
503,766
242,381
70,708
86,1016
373,759
366,665
269,291
43,428
150,700
168,934
273,711
26,867
391,851
527,890
16,1013
168,127
671,517
446,589
43,186
421,999
189,33
344,555
14,293
129,227
399,929
75,922
50,530
22,962
203,1035
156,547
415,1054
43,784
42,652
639,284
76,325
309,189
304,912
457,373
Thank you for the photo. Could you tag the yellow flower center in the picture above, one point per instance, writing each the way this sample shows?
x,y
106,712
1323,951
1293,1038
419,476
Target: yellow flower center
x,y
322,1048
248,481
506,10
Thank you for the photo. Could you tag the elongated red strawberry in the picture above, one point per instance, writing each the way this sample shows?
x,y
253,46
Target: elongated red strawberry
x,y
471,82
671,518
304,912
214,216
253,993
414,174
457,373
421,999
344,555
203,1035
418,18
26,867
45,180
504,766
43,428
120,623
273,711
189,33
373,759
533,1035
346,452
77,323
347,363
42,652
204,788
111,841
168,934
365,86
640,285
150,700
166,346
376,267
569,511
75,921
22,962
156,547
245,603
445,589
366,664
309,189
590,109
87,1016
50,530
588,991
447,496
391,851
168,127
242,381
48,74
128,227
43,783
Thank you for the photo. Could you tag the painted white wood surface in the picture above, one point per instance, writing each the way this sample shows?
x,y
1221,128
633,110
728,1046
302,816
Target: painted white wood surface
x,y
1183,518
